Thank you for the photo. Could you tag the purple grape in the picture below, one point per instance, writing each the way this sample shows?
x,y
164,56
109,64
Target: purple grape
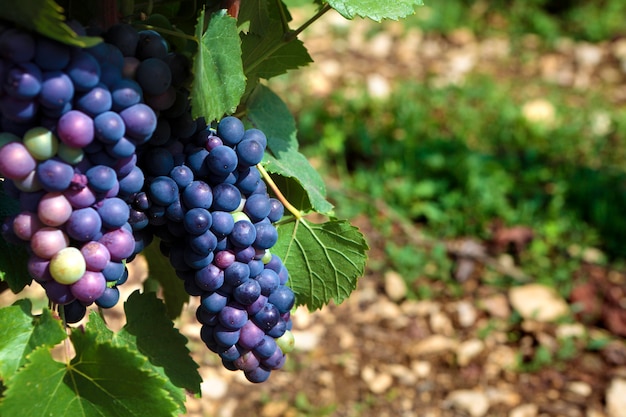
x,y
226,197
119,242
75,129
222,160
101,178
114,212
243,234
56,90
109,297
96,255
267,317
15,161
266,236
54,209
74,311
225,337
95,101
154,76
198,194
257,207
51,55
17,45
84,224
150,45
209,278
163,191
84,70
23,81
233,316
247,362
109,127
248,292
26,224
90,287
55,175
213,302
224,259
250,152
283,298
236,274
58,293
140,122
39,268
250,336
231,130
258,374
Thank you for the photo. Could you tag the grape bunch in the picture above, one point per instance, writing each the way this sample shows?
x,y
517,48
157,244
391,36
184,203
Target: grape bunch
x,y
100,149
71,123
205,200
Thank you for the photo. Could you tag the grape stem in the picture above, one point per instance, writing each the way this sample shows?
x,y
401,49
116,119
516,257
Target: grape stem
x,y
167,31
279,194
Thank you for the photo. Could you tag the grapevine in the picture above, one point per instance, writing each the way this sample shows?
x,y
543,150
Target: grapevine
x,y
133,136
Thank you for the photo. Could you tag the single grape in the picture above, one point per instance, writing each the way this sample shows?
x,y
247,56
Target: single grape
x,y
96,255
26,224
41,143
222,160
197,194
67,266
89,287
23,81
231,130
55,175
56,90
109,127
84,224
233,316
109,297
75,129
226,197
114,212
84,70
15,161
154,76
54,209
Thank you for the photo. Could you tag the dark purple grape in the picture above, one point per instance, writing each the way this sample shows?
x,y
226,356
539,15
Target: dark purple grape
x,y
268,280
83,70
51,55
198,194
56,90
283,298
73,312
266,347
114,212
140,122
163,191
257,207
248,180
258,374
131,183
224,258
55,175
243,234
231,130
222,160
266,236
95,101
209,278
226,197
158,162
23,81
256,135
249,152
19,111
247,362
109,297
109,127
236,274
223,223
213,302
248,292
154,76
276,210
101,178
225,337
124,37
196,261
233,316
125,93
84,225
17,45
151,45
182,175
113,271
204,243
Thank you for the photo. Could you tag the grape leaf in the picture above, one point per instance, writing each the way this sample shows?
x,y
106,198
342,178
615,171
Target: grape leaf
x,y
254,16
160,269
375,9
101,380
13,258
45,17
219,81
22,333
324,260
267,112
153,332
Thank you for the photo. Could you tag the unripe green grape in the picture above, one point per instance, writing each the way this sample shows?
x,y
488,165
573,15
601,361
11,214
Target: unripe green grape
x,y
286,342
267,256
70,155
240,215
67,266
41,143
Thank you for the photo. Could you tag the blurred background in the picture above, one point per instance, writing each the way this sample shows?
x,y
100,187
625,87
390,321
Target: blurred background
x,y
480,147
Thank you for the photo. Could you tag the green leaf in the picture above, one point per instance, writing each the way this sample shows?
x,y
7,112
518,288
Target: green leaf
x,y
269,55
45,17
22,333
101,380
324,260
254,16
153,332
159,268
375,9
13,258
219,81
267,112
102,334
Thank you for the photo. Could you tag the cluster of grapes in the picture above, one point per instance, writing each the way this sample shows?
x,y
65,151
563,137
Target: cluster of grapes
x,y
99,147
71,123
215,220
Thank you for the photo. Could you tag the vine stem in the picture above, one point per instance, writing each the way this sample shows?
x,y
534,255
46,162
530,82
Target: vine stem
x,y
167,31
289,36
296,213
